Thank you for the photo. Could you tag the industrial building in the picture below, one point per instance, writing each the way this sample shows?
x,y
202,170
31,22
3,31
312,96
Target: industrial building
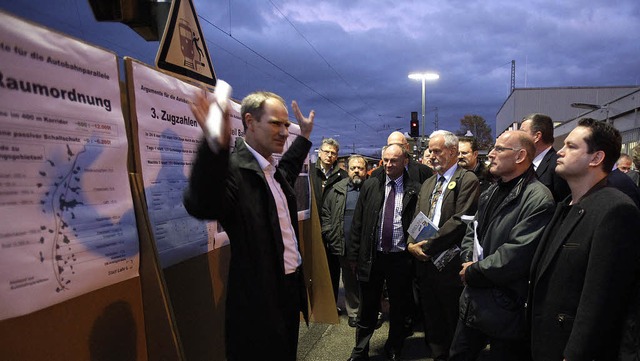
x,y
566,105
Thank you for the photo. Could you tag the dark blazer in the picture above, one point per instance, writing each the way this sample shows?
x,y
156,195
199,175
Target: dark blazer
x,y
582,276
233,189
622,182
317,177
546,172
459,200
418,172
484,177
366,220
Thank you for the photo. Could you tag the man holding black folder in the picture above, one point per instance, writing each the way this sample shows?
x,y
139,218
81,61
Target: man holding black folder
x,y
445,197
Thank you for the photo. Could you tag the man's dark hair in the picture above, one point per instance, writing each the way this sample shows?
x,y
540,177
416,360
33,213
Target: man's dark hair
x,y
472,141
604,137
541,123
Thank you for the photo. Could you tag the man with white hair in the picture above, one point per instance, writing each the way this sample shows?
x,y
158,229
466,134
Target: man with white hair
x,y
445,197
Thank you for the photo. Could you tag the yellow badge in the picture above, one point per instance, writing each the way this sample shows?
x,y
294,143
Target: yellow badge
x,y
451,185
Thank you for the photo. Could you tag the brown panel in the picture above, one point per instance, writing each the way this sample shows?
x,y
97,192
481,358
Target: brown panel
x,y
106,324
197,289
316,270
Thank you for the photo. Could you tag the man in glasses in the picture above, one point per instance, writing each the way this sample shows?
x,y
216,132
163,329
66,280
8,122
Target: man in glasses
x,y
324,175
497,251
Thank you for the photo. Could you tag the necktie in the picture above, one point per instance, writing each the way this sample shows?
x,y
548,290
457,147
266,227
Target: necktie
x,y
435,196
387,222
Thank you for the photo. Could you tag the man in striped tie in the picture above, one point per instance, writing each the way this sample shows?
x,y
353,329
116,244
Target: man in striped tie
x,y
445,197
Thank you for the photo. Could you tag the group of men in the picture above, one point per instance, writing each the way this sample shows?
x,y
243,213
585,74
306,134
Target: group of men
x,y
506,267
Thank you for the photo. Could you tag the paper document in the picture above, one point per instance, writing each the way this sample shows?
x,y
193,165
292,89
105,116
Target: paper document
x,y
422,228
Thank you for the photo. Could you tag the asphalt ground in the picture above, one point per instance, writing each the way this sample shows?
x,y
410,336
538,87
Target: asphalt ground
x,y
327,342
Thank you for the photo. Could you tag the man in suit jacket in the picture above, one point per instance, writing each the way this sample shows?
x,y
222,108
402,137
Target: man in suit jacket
x,y
624,164
583,273
624,184
256,204
377,252
417,172
540,127
497,250
440,286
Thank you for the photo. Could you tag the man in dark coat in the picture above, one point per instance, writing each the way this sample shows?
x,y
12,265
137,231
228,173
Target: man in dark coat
x,y
378,251
417,172
540,127
336,219
456,195
255,202
583,273
325,171
497,251
324,174
468,159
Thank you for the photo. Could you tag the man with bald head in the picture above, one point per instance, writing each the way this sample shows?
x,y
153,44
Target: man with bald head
x,y
417,171
497,251
377,252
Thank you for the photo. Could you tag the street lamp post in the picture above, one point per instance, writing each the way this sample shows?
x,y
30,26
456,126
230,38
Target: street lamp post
x,y
424,77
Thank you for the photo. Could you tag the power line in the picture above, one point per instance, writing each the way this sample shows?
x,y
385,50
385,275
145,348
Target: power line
x,y
285,72
319,55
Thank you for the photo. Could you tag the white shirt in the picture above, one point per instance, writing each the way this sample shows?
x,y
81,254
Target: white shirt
x,y
538,159
292,258
398,241
447,178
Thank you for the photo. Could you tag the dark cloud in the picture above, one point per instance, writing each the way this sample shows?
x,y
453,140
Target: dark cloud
x,y
350,60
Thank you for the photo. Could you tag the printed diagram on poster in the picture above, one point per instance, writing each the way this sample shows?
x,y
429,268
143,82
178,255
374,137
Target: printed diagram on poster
x,y
183,49
167,139
68,225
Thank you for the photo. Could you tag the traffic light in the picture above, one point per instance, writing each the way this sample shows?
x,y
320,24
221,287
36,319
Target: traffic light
x,y
414,132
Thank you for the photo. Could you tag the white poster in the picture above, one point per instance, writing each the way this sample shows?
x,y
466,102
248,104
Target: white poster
x,y
168,138
66,213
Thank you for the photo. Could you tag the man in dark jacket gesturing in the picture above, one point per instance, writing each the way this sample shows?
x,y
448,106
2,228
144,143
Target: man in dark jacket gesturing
x,y
256,204
497,251
378,251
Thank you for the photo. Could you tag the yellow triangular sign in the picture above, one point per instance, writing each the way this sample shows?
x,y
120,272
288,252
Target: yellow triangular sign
x,y
183,49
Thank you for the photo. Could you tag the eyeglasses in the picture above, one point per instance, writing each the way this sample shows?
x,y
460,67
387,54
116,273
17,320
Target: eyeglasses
x,y
329,152
500,149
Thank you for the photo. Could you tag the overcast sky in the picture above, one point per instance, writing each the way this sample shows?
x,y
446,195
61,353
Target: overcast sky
x,y
349,60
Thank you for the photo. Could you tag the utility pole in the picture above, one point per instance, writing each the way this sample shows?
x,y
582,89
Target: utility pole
x,y
513,76
435,119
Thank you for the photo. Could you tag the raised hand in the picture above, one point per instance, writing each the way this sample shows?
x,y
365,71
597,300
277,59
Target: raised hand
x,y
306,124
